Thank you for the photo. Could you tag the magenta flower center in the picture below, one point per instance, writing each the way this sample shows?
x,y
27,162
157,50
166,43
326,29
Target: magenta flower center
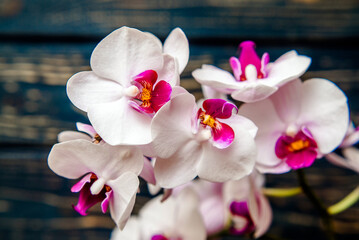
x,y
152,94
248,56
299,151
223,134
208,120
162,237
86,198
239,210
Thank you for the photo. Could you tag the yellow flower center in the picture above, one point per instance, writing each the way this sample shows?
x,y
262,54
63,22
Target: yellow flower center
x,y
298,145
208,120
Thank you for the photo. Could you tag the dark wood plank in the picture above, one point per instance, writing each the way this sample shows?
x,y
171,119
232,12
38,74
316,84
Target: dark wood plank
x,y
285,19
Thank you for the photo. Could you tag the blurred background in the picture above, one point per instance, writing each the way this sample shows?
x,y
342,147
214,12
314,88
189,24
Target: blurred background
x,y
44,42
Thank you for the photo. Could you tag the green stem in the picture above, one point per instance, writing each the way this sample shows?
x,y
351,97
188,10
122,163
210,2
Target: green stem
x,y
281,192
322,210
345,203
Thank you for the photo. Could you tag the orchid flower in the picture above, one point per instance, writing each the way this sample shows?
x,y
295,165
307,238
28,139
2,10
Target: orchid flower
x,y
249,208
177,218
87,132
253,78
298,124
109,175
210,142
132,77
350,153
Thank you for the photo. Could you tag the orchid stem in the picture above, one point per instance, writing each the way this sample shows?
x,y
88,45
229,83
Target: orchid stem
x,y
345,203
281,192
322,210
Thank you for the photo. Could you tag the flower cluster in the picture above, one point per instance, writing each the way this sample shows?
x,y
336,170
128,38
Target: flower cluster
x,y
143,124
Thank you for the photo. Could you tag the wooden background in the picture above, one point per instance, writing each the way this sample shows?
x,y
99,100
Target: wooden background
x,y
44,42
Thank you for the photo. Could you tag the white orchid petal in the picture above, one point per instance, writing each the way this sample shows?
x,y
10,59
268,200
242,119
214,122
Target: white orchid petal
x,y
171,126
177,46
169,72
118,123
73,159
288,67
72,135
130,232
253,92
86,88
180,167
123,199
325,113
216,78
287,100
125,53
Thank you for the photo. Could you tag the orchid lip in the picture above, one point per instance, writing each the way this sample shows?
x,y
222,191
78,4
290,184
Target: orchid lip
x,y
297,151
249,67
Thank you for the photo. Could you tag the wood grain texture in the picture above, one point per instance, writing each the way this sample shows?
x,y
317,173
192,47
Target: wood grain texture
x,y
199,18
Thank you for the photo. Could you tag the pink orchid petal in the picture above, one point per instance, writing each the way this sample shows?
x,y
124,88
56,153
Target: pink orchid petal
x,y
72,135
80,184
86,128
264,61
265,215
86,88
286,68
160,95
169,71
177,46
286,101
281,149
324,111
123,124
75,158
253,92
87,200
171,126
216,78
213,213
236,67
223,136
124,53
180,167
148,111
248,56
231,163
219,108
106,202
123,197
301,159
146,78
147,172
